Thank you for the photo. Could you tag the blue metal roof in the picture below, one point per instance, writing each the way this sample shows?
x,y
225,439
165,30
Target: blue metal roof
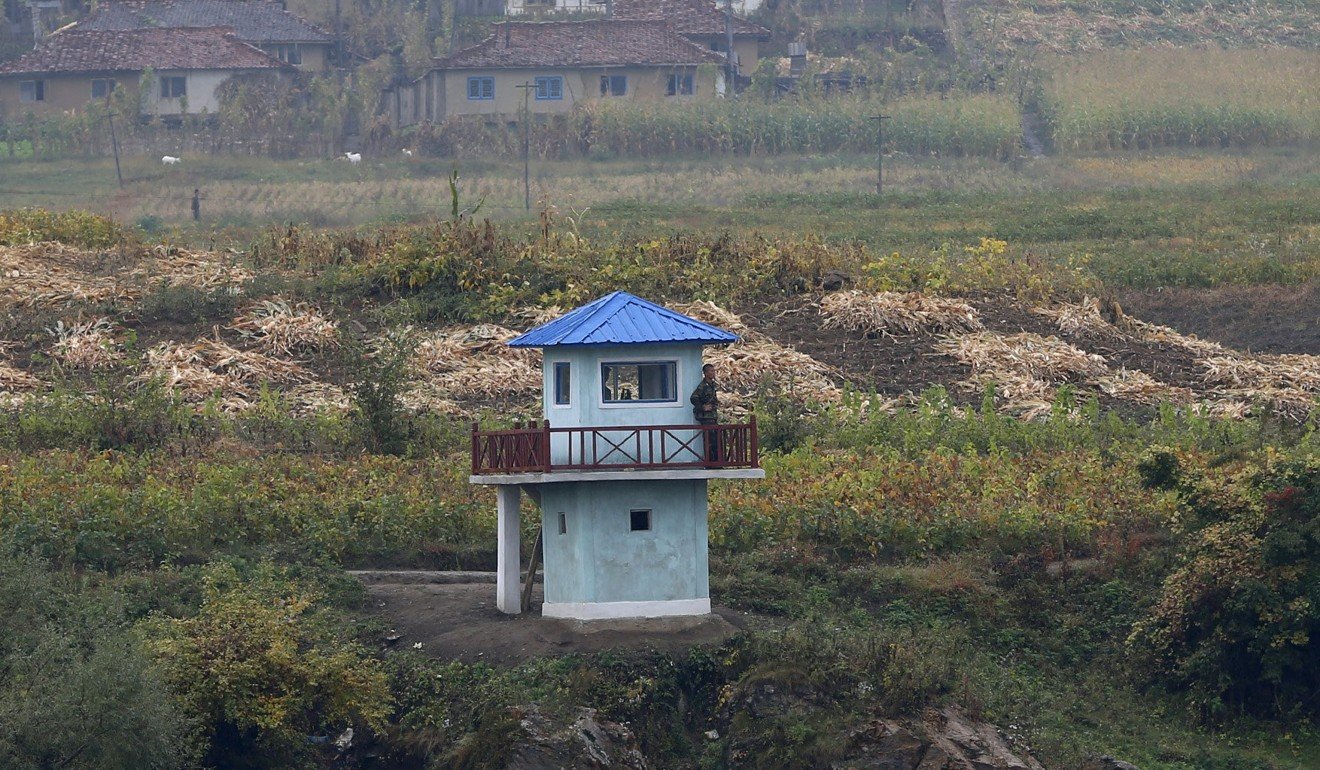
x,y
621,319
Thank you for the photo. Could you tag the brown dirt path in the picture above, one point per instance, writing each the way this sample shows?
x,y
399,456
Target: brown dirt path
x,y
460,621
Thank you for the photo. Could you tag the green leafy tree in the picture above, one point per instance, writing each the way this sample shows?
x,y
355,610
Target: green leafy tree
x,y
1237,624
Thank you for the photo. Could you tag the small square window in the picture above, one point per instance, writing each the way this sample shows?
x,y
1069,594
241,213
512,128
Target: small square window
x,y
639,520
563,524
679,85
549,89
290,54
102,88
173,87
481,89
613,85
563,383
32,91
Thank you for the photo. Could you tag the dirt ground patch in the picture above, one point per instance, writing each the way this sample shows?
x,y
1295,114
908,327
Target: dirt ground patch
x,y
460,622
1260,319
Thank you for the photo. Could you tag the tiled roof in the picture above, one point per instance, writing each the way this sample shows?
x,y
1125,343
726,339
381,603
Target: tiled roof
x,y
621,319
688,17
75,50
256,21
594,43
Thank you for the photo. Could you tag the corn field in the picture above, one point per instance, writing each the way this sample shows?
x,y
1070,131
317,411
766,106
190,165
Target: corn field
x,y
1124,100
976,125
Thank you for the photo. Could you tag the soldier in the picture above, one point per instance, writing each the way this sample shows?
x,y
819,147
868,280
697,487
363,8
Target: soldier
x,y
705,407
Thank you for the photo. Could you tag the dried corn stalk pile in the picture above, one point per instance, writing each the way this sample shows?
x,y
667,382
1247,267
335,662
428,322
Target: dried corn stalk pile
x,y
313,397
53,275
208,369
1024,368
890,312
1024,356
1082,317
89,345
1290,384
1136,385
475,362
744,367
284,329
424,397
13,380
195,269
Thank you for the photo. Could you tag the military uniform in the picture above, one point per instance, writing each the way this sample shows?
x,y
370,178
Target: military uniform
x,y
705,408
705,403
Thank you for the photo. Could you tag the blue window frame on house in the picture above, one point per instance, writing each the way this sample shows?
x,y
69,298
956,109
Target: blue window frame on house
x,y
613,85
481,89
630,382
563,380
549,88
679,85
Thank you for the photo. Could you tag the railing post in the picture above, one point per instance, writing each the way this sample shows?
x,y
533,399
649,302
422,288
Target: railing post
x,y
545,446
756,445
476,449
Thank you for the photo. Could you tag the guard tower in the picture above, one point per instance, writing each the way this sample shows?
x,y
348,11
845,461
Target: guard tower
x,y
618,465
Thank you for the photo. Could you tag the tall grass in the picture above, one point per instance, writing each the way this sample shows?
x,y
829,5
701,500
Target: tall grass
x,y
1162,98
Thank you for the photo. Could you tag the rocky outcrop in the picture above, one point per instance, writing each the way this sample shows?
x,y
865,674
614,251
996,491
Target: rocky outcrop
x,y
945,739
543,743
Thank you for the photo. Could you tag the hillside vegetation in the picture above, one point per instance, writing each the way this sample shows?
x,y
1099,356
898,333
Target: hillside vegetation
x,y
196,444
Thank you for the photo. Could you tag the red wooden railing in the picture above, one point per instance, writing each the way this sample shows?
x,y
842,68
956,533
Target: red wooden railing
x,y
539,448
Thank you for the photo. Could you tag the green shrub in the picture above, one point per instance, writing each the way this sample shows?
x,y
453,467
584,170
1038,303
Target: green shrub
x,y
1237,624
258,671
77,689
76,228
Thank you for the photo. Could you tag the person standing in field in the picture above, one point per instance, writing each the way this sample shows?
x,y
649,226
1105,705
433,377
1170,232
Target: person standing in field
x,y
705,407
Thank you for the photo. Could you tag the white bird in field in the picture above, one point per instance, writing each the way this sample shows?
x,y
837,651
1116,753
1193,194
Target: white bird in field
x,y
170,160
407,152
353,157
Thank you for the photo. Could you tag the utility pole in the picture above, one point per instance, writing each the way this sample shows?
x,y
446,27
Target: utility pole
x,y
731,69
527,87
880,153
114,140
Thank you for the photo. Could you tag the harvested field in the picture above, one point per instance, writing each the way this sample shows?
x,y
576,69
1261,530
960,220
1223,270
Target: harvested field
x,y
757,362
890,313
211,368
49,275
472,362
808,349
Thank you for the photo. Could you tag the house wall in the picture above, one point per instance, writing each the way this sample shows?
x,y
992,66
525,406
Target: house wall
x,y
520,7
449,89
747,49
315,56
600,561
202,85
64,93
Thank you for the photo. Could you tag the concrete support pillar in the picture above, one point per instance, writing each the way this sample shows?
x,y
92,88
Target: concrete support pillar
x,y
508,596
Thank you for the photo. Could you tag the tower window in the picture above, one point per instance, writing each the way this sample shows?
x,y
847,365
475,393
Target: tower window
x,y
655,382
563,523
639,520
563,383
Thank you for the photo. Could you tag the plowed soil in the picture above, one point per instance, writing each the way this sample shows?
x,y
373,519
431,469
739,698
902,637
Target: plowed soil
x,y
1260,319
